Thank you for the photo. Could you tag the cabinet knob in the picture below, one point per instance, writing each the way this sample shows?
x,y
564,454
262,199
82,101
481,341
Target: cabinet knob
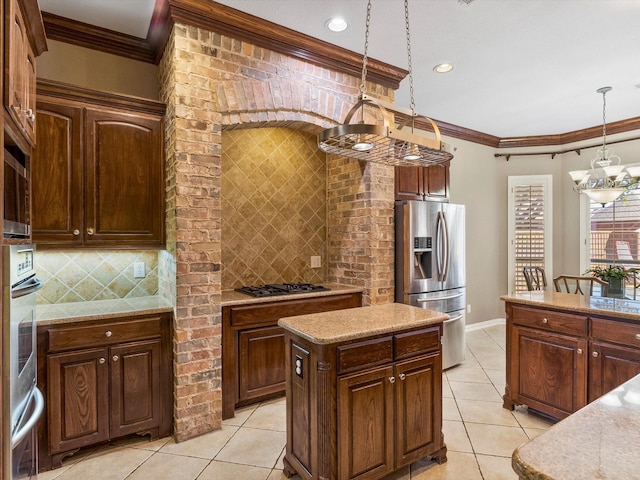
x,y
90,231
30,114
402,376
76,232
545,320
637,336
108,333
595,354
392,379
101,361
579,351
115,358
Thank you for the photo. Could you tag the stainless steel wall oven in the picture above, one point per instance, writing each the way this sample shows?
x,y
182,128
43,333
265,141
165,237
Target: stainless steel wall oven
x,y
20,284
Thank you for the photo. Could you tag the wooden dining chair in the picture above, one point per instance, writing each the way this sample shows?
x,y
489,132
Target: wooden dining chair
x,y
579,285
535,278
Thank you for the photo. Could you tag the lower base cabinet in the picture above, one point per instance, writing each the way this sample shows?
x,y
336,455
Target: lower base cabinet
x,y
102,381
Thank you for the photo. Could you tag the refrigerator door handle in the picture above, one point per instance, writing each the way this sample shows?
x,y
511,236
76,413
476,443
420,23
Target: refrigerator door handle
x,y
439,247
437,299
446,259
453,319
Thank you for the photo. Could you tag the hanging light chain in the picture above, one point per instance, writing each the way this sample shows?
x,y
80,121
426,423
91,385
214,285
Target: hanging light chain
x,y
406,21
365,58
604,123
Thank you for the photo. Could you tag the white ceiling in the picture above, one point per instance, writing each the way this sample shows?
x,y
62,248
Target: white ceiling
x,y
522,67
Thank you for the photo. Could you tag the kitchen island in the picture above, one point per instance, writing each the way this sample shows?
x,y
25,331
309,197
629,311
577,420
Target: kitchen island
x,y
564,351
364,391
599,441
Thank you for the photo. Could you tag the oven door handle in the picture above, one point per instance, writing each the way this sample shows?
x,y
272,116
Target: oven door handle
x,y
35,416
26,289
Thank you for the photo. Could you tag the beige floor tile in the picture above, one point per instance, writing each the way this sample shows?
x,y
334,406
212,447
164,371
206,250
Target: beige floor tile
x,y
531,433
467,374
250,446
241,415
222,470
142,442
531,420
450,410
475,391
53,474
269,416
489,413
455,437
479,338
113,464
490,358
163,466
497,377
279,463
496,468
495,440
470,360
205,446
459,466
446,388
498,333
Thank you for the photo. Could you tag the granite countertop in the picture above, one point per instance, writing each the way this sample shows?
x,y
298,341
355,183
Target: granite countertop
x,y
353,323
614,307
100,309
231,297
598,441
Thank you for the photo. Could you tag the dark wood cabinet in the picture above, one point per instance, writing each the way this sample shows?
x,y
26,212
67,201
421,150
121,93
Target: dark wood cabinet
x,y
104,380
108,167
253,356
558,361
363,409
422,183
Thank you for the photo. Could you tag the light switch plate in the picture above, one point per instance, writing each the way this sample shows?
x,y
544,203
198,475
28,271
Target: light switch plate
x,y
316,261
139,270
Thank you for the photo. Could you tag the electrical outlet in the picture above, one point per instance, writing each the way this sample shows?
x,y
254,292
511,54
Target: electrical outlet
x,y
139,270
316,261
469,308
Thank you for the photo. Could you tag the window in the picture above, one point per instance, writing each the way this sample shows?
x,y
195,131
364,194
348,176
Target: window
x,y
529,227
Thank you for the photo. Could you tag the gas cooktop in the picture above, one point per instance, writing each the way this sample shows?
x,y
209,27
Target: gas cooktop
x,y
274,289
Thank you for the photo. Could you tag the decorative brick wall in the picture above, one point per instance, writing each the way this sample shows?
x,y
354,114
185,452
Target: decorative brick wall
x,y
211,82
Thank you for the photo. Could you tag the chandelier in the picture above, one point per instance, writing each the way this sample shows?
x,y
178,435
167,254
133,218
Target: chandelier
x,y
608,178
391,140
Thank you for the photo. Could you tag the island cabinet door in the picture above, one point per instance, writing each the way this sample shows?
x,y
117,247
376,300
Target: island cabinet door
x,y
365,417
418,408
562,389
610,366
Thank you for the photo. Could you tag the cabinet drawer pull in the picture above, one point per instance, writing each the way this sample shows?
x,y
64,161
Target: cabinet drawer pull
x,y
101,361
90,231
579,351
392,379
116,358
76,232
545,320
594,354
402,376
108,333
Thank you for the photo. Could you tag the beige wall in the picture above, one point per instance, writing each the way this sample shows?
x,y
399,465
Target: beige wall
x,y
97,70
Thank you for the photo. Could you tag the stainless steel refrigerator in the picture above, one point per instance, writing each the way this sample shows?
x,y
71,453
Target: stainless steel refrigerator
x,y
430,266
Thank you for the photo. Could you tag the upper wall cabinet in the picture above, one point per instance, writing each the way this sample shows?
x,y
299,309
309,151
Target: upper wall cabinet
x,y
24,40
422,183
97,170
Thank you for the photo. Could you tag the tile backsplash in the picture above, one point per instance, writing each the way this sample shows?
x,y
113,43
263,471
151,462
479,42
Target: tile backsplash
x,y
79,276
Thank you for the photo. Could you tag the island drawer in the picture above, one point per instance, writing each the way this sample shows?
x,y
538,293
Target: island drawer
x,y
417,342
359,355
616,332
64,338
549,320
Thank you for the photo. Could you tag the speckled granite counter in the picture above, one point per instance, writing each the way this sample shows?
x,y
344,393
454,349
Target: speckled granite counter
x,y
613,307
231,297
344,325
101,309
599,441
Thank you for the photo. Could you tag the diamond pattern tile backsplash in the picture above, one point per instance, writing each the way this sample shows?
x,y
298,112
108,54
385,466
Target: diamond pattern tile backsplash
x,y
78,276
273,207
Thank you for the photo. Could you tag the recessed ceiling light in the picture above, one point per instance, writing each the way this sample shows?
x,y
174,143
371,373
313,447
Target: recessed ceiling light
x,y
336,24
443,68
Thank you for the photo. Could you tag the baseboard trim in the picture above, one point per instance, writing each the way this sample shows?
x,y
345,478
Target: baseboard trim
x,y
485,324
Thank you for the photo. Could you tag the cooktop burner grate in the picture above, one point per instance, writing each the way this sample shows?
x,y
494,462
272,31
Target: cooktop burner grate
x,y
274,289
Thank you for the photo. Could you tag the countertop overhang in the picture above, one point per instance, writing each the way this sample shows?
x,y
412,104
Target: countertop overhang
x,y
612,307
353,323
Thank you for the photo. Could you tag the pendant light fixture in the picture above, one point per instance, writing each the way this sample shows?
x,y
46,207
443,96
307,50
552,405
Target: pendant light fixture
x,y
608,178
392,139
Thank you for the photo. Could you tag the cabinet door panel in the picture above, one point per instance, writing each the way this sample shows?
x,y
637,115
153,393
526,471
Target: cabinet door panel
x,y
16,70
436,182
135,387
561,389
409,183
78,399
610,366
262,366
124,187
419,407
365,417
57,172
